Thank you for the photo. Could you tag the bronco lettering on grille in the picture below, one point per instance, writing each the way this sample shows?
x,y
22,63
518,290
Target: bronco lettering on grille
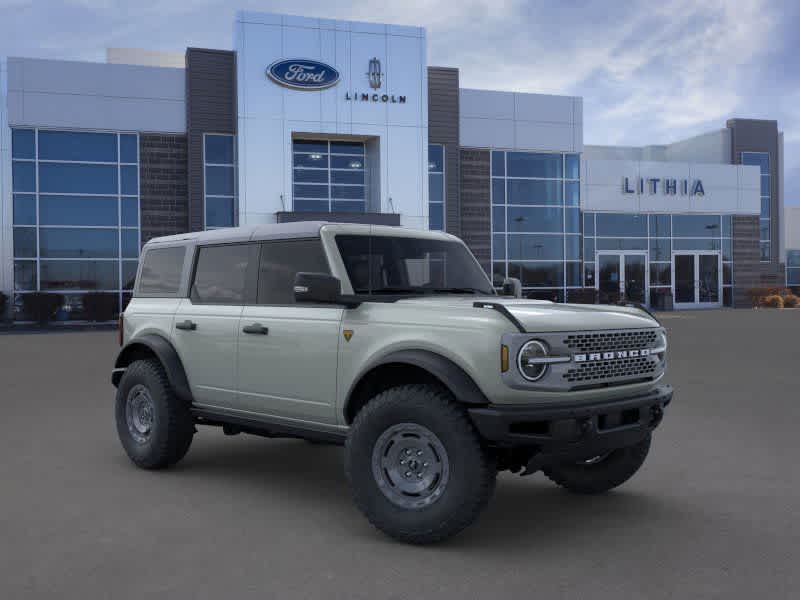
x,y
610,355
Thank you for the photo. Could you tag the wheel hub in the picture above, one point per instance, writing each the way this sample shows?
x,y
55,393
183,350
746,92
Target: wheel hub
x,y
139,413
410,465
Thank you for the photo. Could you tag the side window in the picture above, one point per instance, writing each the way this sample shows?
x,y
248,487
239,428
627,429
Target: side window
x,y
161,271
221,274
281,261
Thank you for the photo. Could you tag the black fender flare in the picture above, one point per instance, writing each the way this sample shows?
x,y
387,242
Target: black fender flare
x,y
453,377
166,354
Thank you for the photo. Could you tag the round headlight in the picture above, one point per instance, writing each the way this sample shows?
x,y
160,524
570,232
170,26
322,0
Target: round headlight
x,y
531,370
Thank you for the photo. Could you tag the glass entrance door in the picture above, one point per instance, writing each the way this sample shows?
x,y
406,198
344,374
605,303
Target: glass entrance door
x,y
622,276
697,279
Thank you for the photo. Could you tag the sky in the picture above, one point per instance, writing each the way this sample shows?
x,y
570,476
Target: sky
x,y
649,72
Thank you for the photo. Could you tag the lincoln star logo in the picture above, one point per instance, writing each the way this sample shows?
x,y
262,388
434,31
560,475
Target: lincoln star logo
x,y
302,74
374,74
595,356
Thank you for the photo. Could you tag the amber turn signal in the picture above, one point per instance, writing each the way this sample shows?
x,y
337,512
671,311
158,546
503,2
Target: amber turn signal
x,y
504,358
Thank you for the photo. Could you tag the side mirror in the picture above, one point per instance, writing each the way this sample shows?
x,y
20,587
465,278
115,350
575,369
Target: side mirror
x,y
317,287
512,287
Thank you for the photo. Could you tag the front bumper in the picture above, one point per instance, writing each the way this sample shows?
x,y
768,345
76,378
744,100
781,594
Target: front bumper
x,y
573,432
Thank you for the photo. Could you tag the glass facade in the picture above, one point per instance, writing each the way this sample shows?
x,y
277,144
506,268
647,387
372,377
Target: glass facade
x,y
761,160
658,235
436,186
219,168
793,268
76,215
536,221
328,176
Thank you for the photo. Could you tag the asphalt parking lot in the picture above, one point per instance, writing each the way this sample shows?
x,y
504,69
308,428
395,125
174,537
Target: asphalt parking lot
x,y
715,512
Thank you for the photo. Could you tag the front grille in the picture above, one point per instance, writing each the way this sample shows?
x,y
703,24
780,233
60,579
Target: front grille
x,y
604,370
612,340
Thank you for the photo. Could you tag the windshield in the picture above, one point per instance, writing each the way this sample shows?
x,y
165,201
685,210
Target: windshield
x,y
399,265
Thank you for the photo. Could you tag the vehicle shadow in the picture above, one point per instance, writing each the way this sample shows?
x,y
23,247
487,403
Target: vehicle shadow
x,y
525,513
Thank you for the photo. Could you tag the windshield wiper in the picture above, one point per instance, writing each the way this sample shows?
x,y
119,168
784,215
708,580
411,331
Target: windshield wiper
x,y
394,290
459,290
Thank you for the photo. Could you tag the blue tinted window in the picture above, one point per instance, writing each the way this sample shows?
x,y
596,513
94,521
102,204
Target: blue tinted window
x,y
312,175
130,243
347,206
435,158
347,192
727,249
535,247
498,191
765,207
727,225
766,251
128,149
436,216
572,190
498,163
572,246
436,187
695,244
538,220
23,176
219,212
529,164
129,268
347,148
219,181
793,277
542,274
498,218
696,225
357,177
24,209
78,243
73,145
77,179
313,161
765,185
764,229
660,249
25,275
588,249
24,242
346,162
572,220
77,210
660,226
573,166
130,212
499,246
527,191
573,274
80,275
793,258
621,244
311,205
759,159
588,224
621,225
129,183
310,146
219,149
23,143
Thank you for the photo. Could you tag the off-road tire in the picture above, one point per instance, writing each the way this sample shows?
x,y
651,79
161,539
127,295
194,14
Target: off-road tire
x,y
610,472
172,426
472,471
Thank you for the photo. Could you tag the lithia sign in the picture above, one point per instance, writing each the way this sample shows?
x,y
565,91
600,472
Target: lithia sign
x,y
306,74
667,186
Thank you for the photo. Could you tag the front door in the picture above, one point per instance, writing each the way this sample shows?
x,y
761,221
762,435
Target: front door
x,y
622,276
697,279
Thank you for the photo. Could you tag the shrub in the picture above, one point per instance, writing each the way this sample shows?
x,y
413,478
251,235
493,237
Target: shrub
x,y
41,306
98,306
758,295
790,301
773,301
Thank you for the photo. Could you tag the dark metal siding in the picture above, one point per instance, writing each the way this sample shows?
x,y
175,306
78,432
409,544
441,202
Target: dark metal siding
x,y
443,129
210,108
476,216
163,194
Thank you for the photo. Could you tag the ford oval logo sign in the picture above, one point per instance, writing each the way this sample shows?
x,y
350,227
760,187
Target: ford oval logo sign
x,y
303,74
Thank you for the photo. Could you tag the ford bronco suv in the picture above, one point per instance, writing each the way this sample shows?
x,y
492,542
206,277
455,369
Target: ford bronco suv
x,y
394,343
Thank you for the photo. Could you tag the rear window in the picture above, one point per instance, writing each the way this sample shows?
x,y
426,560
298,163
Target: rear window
x,y
221,274
161,271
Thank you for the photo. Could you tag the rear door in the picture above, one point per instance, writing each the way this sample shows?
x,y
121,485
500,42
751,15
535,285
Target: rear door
x,y
205,329
288,352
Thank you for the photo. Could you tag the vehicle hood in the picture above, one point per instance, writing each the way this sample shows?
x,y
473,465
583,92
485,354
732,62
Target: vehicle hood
x,y
543,315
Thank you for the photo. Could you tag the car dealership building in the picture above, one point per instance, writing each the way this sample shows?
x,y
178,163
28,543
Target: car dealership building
x,y
339,120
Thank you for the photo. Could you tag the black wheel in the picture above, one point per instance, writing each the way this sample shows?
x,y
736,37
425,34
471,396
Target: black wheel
x,y
600,473
154,426
416,465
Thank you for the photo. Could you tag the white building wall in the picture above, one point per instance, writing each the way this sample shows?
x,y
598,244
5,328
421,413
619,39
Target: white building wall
x,y
791,228
81,95
729,189
269,114
146,58
6,205
713,147
519,121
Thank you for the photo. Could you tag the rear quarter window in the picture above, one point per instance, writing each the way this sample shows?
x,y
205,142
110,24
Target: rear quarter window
x,y
161,271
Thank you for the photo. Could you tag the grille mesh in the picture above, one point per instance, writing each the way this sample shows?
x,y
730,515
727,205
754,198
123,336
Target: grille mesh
x,y
602,370
612,340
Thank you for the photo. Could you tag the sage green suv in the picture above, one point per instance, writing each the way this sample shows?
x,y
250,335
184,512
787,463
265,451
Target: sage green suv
x,y
394,343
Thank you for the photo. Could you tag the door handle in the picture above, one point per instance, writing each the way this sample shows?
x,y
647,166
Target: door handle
x,y
256,328
187,325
